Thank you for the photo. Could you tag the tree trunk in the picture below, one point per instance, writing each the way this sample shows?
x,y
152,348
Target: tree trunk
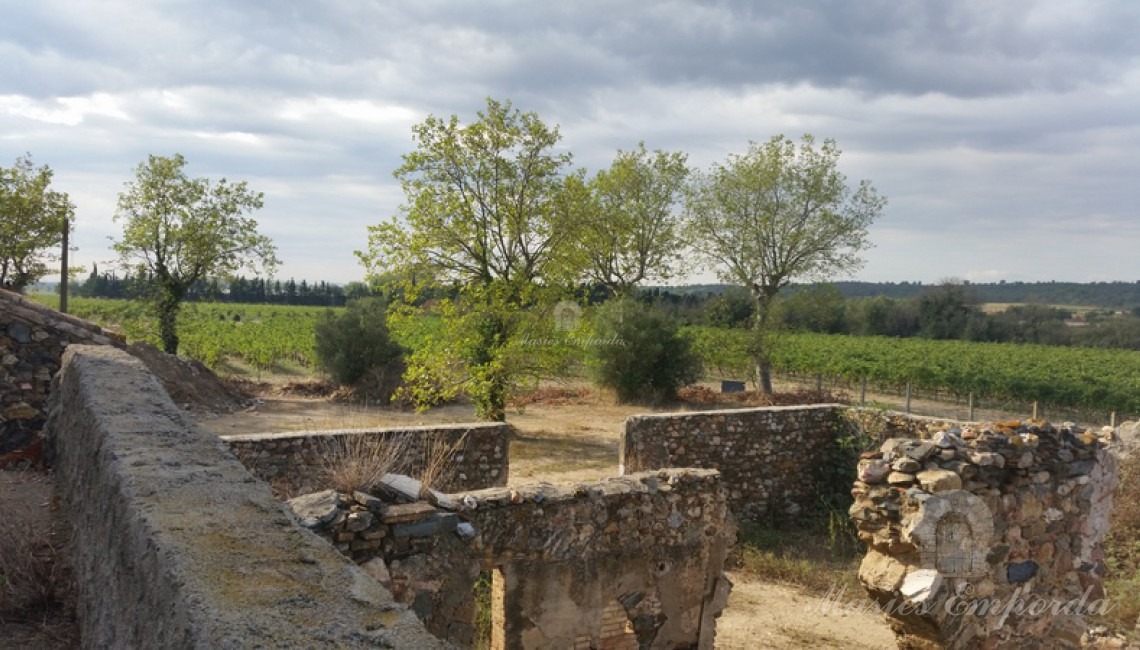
x,y
760,328
168,304
490,398
495,409
764,372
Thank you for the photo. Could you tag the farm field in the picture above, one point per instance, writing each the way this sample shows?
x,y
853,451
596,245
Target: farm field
x,y
251,340
1084,378
260,336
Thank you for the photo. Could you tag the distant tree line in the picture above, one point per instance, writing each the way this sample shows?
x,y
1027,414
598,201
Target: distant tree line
x,y
947,311
237,290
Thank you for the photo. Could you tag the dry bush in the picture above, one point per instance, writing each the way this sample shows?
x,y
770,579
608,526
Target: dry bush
x,y
358,462
35,581
703,395
439,458
555,396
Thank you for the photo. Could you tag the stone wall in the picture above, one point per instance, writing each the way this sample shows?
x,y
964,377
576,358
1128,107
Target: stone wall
x,y
32,340
986,536
770,459
177,545
632,562
292,462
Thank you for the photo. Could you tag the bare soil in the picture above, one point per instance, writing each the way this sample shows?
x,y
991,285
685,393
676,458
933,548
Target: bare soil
x,y
36,599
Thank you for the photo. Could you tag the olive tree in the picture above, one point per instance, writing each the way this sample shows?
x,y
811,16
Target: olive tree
x,y
776,214
627,230
481,214
179,230
33,218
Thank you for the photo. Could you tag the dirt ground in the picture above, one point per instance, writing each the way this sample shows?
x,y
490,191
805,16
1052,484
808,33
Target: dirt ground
x,y
33,544
578,441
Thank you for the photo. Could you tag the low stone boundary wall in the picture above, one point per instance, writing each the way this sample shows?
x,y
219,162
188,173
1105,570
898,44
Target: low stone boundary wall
x,y
291,461
769,458
629,562
986,536
176,545
32,340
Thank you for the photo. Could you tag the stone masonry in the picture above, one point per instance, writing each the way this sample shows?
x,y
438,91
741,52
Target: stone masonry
x,y
32,340
629,562
988,535
761,453
291,461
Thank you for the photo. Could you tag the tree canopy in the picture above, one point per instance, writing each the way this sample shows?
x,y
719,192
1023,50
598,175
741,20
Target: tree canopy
x,y
32,221
480,203
180,230
776,214
626,228
481,212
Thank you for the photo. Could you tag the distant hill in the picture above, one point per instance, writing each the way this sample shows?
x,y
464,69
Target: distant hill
x,y
1108,295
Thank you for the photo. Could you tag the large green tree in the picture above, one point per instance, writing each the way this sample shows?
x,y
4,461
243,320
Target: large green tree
x,y
481,213
627,228
179,230
778,213
33,218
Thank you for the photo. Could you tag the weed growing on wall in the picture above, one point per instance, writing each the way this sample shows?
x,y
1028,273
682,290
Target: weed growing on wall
x,y
439,458
357,463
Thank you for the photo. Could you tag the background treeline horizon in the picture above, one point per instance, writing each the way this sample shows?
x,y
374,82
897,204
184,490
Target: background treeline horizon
x,y
1114,295
1109,316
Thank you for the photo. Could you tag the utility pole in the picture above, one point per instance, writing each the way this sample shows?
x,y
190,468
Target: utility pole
x,y
63,269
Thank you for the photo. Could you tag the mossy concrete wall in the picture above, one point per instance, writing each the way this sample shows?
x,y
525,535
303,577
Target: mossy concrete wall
x,y
177,545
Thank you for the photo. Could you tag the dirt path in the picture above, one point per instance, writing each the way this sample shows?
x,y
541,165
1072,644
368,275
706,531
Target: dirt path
x,y
770,615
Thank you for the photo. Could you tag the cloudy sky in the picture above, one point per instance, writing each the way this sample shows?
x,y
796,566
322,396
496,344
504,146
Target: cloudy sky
x,y
1005,134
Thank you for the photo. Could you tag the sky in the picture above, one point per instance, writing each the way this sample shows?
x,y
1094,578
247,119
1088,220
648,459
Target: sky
x,y
1006,135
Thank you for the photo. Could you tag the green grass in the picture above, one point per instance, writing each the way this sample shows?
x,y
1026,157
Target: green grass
x,y
817,554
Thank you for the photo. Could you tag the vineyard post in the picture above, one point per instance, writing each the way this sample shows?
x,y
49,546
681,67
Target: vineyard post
x,y
863,392
1112,420
971,418
908,398
818,382
1034,410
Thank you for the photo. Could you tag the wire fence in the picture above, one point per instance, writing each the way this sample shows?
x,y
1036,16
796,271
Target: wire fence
x,y
948,405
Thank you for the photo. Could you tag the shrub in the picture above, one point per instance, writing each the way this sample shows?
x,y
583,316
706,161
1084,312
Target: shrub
x,y
640,354
356,342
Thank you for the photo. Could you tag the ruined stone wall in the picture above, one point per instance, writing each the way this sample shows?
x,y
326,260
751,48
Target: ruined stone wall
x,y
292,461
176,545
769,458
32,340
632,562
986,536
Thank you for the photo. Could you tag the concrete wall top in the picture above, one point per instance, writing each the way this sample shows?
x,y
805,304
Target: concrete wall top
x,y
702,414
425,428
177,545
